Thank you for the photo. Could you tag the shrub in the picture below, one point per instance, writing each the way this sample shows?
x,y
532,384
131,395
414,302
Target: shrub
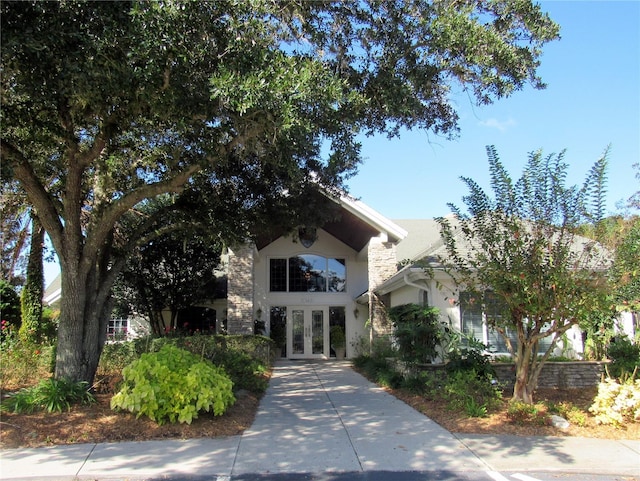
x,y
473,357
521,413
617,402
624,355
24,363
245,371
568,411
476,395
422,383
173,385
418,332
10,304
244,360
50,395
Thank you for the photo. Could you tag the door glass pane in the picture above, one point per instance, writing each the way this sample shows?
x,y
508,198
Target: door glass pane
x,y
317,332
297,331
337,317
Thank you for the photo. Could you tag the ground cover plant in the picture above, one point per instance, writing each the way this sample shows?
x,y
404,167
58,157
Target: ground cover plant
x,y
173,385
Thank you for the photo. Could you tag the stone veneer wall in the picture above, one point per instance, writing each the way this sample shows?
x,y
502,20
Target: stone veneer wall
x,y
563,375
240,290
382,265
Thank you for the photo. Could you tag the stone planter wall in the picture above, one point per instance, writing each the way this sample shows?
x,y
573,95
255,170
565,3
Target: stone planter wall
x,y
563,375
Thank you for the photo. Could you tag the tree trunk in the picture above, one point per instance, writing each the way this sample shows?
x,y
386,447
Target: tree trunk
x,y
84,316
526,372
31,296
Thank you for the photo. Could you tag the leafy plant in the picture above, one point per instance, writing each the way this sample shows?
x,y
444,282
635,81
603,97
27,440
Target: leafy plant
x,y
568,411
51,395
338,339
465,390
473,357
422,383
521,413
173,385
475,410
617,402
245,371
417,331
624,355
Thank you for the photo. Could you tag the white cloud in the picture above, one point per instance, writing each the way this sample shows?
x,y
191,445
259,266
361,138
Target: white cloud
x,y
501,125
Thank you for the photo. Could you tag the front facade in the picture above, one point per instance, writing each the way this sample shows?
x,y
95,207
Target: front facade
x,y
302,285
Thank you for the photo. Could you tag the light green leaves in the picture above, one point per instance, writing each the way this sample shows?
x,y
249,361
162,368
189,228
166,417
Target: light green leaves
x,y
173,385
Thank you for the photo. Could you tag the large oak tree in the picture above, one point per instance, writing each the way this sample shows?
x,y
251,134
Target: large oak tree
x,y
114,103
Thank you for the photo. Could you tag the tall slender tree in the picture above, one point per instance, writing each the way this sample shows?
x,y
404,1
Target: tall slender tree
x,y
33,289
119,102
521,245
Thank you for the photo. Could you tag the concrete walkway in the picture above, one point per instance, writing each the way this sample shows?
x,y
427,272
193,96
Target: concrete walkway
x,y
325,418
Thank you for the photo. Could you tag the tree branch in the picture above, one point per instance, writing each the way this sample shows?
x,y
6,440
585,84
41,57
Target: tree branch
x,y
105,222
36,192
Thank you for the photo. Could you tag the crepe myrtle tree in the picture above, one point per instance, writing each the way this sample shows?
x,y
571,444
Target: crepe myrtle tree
x,y
108,104
521,246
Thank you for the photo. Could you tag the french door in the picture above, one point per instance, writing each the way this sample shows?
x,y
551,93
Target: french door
x,y
307,332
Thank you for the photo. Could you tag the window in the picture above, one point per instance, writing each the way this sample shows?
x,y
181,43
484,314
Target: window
x,y
477,313
307,273
117,329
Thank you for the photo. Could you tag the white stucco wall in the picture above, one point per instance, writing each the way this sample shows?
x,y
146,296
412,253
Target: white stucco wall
x,y
327,246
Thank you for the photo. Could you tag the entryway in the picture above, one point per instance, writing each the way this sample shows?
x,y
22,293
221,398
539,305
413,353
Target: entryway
x,y
307,332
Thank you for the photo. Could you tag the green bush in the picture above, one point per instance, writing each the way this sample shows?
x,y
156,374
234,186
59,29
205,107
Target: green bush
x,y
50,395
418,332
523,413
473,357
242,357
476,395
24,363
245,371
617,402
173,385
9,306
422,383
624,355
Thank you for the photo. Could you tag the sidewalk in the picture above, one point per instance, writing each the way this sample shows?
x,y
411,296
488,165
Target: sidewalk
x,y
318,418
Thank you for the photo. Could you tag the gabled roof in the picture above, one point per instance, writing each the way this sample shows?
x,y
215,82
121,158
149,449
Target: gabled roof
x,y
424,243
354,224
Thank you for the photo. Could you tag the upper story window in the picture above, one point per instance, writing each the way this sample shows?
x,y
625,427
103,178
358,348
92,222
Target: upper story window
x,y
307,273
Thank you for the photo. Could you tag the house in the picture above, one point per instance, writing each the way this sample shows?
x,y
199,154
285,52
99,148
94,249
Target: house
x,y
346,273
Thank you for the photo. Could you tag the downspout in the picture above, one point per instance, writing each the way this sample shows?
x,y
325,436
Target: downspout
x,y
406,280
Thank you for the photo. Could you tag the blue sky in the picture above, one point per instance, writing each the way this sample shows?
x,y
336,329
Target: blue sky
x,y
592,100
